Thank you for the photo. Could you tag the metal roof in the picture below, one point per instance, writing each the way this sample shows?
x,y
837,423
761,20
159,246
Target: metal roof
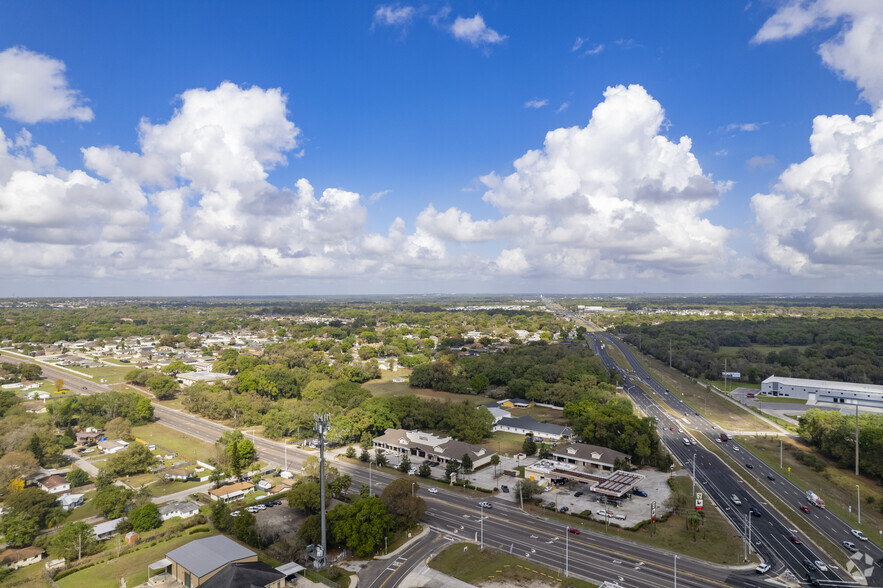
x,y
206,555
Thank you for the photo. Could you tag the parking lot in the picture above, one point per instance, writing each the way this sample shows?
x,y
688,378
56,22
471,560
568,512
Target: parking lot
x,y
634,508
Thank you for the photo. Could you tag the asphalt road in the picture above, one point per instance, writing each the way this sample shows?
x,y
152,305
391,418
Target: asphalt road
x,y
770,531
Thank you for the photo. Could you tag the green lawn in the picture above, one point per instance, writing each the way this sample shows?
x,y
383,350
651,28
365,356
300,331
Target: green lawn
x,y
507,444
465,562
112,374
187,447
732,384
390,388
542,414
131,565
779,399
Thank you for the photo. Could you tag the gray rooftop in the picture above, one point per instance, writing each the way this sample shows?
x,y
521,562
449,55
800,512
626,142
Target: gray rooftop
x,y
845,386
531,424
206,555
242,575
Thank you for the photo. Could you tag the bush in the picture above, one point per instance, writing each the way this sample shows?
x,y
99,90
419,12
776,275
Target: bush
x,y
199,529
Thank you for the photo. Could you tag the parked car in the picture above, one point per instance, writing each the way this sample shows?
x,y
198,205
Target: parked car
x,y
820,565
563,509
235,513
762,568
574,531
858,534
432,490
804,508
637,492
549,505
412,471
504,488
850,546
578,493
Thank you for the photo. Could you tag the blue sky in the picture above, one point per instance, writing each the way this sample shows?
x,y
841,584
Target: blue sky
x,y
350,147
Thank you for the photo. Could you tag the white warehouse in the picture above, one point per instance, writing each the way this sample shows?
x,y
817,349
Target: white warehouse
x,y
825,392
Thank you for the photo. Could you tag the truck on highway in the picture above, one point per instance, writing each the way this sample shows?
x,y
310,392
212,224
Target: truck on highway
x,y
725,437
814,499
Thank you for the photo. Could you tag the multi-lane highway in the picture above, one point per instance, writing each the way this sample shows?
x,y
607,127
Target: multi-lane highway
x,y
772,532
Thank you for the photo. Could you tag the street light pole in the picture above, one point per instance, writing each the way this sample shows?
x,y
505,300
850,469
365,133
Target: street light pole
x,y
780,453
566,551
481,525
412,489
676,571
859,490
693,492
370,485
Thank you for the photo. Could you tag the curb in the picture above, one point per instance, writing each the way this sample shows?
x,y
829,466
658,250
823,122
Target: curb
x,y
406,544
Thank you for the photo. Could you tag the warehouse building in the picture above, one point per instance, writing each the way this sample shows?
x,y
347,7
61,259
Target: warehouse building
x,y
824,392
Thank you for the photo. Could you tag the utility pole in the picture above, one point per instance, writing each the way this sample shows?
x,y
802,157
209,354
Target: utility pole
x,y
322,425
370,484
859,490
693,492
566,551
669,354
780,453
481,524
285,444
676,571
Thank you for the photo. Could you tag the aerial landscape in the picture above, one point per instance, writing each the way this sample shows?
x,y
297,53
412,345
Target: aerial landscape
x,y
406,295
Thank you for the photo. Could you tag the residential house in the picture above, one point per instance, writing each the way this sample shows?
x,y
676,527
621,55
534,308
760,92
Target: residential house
x,y
19,558
178,508
106,530
179,474
71,501
54,484
231,492
194,563
89,436
265,485
111,446
517,403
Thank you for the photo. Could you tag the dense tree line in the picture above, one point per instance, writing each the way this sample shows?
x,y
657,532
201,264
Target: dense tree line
x,y
555,374
833,434
843,349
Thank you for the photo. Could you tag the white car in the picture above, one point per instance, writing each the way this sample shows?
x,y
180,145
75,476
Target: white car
x,y
412,471
718,440
601,512
432,490
858,534
235,513
762,568
485,504
820,565
735,448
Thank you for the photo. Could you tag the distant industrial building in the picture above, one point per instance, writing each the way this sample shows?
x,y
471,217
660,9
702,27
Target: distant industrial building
x,y
824,392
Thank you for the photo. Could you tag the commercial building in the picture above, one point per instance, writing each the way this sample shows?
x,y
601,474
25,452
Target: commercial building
x,y
527,425
590,457
193,564
824,392
187,379
417,444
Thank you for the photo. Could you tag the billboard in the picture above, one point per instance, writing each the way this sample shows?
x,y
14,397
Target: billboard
x,y
732,375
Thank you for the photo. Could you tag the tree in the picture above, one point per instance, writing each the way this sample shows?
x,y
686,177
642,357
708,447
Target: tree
x,y
145,517
424,471
104,478
466,464
402,503
74,540
245,529
112,500
35,446
405,464
365,456
18,529
59,385
163,387
137,459
217,477
528,447
219,515
351,452
379,458
361,526
495,461
17,465
452,467
479,383
143,411
304,495
543,451
30,371
340,485
118,428
33,503
78,477
527,489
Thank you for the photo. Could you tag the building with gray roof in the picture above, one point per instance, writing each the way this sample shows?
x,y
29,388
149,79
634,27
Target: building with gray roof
x,y
527,425
840,394
251,575
194,563
417,444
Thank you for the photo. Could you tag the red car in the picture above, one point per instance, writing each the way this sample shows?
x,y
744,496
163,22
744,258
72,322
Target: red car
x,y
574,531
805,509
795,540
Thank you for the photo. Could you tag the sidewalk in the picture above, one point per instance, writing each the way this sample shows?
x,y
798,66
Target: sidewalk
x,y
426,577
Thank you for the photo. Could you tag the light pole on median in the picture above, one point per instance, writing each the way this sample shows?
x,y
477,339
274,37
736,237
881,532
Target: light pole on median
x,y
566,551
481,525
676,571
859,490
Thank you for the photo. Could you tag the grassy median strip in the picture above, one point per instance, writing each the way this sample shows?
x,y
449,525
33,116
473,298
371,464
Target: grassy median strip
x,y
790,512
465,562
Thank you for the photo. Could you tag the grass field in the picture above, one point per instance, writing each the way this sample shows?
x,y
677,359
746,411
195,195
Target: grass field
x,y
390,388
717,409
465,562
132,566
542,414
779,399
507,444
185,446
111,374
732,384
836,486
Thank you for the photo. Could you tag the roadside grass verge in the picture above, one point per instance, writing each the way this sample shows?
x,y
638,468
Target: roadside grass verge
x,y
465,562
617,356
715,408
732,384
779,399
836,486
790,512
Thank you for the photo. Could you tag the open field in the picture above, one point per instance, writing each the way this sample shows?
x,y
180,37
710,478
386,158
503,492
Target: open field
x,y
715,408
495,567
617,356
507,444
187,447
132,566
732,384
390,388
836,486
111,374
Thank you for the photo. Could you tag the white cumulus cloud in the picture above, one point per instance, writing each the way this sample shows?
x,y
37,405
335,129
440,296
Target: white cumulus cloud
x,y
394,15
536,103
854,52
475,31
33,88
825,217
